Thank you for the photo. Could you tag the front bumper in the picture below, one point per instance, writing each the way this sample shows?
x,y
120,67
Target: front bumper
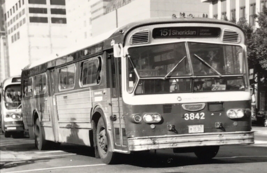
x,y
190,140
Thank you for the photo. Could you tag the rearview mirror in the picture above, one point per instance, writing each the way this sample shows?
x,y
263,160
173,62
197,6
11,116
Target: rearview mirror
x,y
117,50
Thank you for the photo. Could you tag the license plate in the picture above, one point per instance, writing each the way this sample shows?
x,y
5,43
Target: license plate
x,y
196,129
11,128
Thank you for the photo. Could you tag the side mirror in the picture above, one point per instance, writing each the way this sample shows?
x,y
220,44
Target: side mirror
x,y
117,50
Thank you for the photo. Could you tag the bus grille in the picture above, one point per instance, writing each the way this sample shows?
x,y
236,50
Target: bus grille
x,y
140,37
14,122
230,36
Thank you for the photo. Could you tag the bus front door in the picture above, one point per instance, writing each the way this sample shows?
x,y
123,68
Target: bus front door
x,y
52,104
119,134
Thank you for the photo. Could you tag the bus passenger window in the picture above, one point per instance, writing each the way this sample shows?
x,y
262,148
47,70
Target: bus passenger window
x,y
90,72
40,84
67,77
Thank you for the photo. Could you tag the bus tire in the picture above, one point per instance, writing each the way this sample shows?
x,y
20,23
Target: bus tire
x,y
7,134
40,142
103,143
206,153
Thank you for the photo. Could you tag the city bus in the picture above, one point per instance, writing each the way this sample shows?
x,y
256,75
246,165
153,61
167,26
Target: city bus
x,y
179,84
10,106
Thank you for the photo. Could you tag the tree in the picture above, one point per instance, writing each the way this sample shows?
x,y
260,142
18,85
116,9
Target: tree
x,y
248,30
259,39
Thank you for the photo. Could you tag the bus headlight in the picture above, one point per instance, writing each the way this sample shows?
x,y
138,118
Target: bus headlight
x,y
235,113
152,118
14,116
136,118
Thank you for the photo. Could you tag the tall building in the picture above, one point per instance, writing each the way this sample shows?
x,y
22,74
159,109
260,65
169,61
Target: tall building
x,y
79,26
35,29
233,10
4,62
120,12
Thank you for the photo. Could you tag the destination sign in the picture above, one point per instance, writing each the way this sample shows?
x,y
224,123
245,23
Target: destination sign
x,y
186,32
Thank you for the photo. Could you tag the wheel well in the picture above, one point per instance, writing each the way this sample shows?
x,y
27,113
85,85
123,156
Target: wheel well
x,y
35,116
95,118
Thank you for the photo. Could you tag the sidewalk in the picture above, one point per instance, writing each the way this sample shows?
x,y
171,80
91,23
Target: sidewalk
x,y
262,131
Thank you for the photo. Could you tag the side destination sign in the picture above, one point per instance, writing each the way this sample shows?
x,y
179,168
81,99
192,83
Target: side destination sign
x,y
184,32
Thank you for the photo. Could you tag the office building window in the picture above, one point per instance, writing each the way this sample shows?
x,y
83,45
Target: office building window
x,y
38,10
12,39
10,12
57,2
37,1
242,11
16,6
20,23
263,3
15,37
17,16
19,3
13,9
252,15
224,17
38,19
23,11
24,20
233,12
58,11
59,20
18,36
7,14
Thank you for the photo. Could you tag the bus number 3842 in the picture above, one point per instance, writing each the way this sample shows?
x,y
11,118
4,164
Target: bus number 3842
x,y
193,116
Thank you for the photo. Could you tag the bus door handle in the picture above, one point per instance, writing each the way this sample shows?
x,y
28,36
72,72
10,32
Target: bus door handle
x,y
65,97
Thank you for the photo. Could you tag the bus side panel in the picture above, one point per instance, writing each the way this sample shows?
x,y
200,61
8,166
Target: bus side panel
x,y
28,107
74,109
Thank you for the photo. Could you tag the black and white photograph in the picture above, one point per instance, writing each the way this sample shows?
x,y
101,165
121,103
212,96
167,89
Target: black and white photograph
x,y
133,86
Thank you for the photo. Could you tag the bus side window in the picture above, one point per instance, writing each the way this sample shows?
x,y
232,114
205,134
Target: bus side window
x,y
67,77
27,90
40,84
90,72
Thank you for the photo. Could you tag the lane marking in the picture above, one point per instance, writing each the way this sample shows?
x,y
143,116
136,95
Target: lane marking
x,y
52,156
235,157
53,168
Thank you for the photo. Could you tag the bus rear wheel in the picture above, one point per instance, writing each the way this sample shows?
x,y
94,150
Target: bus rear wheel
x,y
206,153
40,142
103,143
7,134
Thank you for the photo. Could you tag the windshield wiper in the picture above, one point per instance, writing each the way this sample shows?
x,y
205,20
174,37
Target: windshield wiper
x,y
167,75
207,64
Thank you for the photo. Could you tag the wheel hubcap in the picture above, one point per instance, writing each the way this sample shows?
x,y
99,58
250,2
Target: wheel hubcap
x,y
102,140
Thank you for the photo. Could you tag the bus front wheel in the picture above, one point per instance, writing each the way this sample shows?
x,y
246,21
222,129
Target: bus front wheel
x,y
206,153
39,140
7,134
103,143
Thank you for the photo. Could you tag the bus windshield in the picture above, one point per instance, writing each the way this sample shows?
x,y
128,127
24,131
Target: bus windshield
x,y
185,67
12,96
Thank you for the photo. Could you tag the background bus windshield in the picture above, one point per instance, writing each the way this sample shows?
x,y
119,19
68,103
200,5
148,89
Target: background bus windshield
x,y
12,96
167,68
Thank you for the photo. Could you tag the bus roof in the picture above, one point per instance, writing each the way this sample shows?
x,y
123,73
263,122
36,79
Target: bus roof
x,y
118,35
10,81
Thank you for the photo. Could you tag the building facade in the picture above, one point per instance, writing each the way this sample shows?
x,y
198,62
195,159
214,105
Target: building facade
x,y
78,16
233,10
35,29
121,12
4,62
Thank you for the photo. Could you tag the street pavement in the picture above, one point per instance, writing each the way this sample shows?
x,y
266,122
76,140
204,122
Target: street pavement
x,y
22,150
